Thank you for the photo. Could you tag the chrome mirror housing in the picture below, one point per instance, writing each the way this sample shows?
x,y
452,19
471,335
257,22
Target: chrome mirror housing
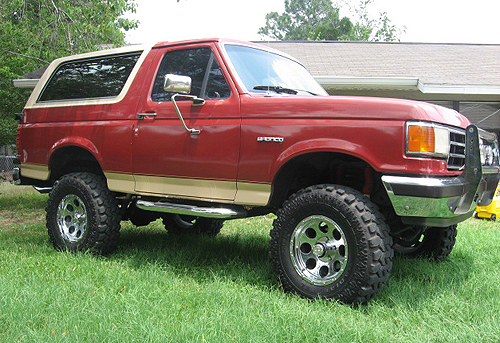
x,y
177,84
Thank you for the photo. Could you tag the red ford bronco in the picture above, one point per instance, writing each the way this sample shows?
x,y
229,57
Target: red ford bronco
x,y
198,132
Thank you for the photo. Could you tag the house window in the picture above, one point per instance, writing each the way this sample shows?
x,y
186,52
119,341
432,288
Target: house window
x,y
485,115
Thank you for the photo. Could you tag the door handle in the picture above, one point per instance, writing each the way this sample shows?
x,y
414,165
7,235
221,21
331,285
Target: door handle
x,y
142,115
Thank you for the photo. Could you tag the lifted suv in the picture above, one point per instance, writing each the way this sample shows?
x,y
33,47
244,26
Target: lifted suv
x,y
198,132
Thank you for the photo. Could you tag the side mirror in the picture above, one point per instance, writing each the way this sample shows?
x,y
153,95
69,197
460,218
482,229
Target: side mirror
x,y
177,84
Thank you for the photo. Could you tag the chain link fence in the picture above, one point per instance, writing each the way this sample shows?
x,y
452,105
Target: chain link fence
x,y
6,168
7,163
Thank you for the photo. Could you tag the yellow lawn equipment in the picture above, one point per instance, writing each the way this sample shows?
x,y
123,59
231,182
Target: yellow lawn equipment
x,y
492,210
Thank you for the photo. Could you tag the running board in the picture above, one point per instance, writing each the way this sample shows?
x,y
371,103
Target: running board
x,y
196,211
43,190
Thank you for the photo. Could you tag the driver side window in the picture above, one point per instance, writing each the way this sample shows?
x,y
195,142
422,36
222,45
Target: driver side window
x,y
207,80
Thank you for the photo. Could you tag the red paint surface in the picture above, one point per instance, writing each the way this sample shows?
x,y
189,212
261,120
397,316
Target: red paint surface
x,y
227,149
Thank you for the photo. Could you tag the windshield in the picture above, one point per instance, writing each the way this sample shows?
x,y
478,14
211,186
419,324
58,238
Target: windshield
x,y
262,71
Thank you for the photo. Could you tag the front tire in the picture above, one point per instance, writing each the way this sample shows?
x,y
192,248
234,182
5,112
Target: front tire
x,y
435,243
330,241
82,214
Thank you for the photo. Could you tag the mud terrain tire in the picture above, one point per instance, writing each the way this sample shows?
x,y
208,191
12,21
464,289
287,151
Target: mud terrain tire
x,y
82,214
331,241
181,224
435,243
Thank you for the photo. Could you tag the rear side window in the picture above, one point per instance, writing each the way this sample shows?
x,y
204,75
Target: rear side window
x,y
99,77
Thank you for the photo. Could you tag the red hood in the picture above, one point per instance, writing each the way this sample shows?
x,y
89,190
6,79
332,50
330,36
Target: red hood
x,y
350,108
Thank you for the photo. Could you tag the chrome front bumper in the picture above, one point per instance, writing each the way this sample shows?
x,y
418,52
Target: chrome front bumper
x,y
444,201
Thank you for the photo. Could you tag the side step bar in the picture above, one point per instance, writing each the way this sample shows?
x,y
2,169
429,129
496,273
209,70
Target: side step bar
x,y
43,190
196,211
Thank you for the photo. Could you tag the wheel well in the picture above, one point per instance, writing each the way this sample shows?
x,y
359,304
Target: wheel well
x,y
318,168
72,159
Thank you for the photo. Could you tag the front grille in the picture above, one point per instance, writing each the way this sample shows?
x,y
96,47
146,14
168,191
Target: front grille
x,y
456,159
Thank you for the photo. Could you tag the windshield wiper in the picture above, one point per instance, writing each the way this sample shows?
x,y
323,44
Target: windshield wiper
x,y
277,89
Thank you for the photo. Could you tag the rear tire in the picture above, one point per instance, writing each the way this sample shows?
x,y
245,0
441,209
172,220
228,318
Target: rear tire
x,y
330,241
183,224
82,214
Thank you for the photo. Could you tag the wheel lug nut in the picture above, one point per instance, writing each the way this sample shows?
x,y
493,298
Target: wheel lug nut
x,y
318,250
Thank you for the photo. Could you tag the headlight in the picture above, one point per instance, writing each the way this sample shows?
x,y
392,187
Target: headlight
x,y
489,151
427,139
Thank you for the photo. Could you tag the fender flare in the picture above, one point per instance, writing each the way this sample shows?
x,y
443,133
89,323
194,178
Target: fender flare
x,y
320,145
74,141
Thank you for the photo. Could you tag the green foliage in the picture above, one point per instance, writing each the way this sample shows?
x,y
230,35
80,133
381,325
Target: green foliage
x,y
321,20
367,29
35,32
307,20
7,131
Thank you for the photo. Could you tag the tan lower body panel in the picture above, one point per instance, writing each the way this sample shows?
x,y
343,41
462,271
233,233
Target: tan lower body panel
x,y
254,194
193,188
243,193
35,171
119,182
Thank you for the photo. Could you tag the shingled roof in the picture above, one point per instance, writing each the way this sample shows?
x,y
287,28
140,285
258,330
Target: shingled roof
x,y
438,68
453,68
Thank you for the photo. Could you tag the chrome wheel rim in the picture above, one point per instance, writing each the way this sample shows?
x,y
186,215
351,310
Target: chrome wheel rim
x,y
318,249
72,218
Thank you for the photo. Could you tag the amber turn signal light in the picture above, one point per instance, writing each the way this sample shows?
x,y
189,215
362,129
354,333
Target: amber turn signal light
x,y
421,139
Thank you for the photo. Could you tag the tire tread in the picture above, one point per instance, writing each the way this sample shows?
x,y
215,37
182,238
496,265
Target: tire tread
x,y
375,234
105,234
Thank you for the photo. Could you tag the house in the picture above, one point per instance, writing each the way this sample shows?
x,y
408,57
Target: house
x,y
465,77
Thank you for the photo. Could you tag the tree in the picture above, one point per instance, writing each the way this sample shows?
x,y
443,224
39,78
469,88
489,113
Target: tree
x,y
376,30
34,32
321,20
307,20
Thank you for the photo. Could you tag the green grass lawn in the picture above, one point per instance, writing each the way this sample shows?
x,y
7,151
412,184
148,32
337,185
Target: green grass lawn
x,y
159,287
